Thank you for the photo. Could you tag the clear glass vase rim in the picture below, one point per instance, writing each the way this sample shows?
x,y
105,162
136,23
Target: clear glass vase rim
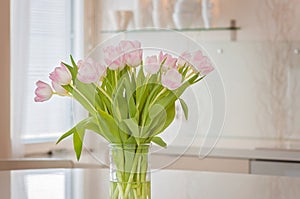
x,y
113,145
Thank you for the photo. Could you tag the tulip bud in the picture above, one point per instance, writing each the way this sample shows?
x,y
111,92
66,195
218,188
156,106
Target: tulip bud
x,y
114,57
201,63
133,54
61,75
169,62
90,71
151,65
184,58
171,79
43,92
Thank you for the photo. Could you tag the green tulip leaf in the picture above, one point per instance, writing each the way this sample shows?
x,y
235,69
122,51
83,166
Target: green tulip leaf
x,y
184,108
159,141
78,136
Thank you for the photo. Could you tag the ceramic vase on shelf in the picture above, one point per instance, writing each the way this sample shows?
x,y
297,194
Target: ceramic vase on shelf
x,y
121,12
186,12
162,13
130,176
121,19
210,11
143,13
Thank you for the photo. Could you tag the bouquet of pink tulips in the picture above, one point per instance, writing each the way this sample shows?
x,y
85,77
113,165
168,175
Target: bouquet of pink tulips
x,y
129,100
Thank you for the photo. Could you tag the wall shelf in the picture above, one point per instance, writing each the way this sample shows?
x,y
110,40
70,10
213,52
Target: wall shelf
x,y
175,29
232,29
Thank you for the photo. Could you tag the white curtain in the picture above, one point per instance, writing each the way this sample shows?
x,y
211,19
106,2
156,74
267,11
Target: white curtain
x,y
20,22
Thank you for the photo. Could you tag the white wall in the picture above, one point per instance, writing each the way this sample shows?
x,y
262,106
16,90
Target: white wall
x,y
257,69
254,67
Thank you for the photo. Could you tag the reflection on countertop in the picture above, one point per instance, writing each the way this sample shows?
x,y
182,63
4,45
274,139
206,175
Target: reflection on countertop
x,y
94,183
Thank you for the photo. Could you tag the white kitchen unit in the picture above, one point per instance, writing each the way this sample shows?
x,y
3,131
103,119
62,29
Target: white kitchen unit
x,y
278,168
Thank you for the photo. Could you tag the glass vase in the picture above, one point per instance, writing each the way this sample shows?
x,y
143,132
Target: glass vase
x,y
130,176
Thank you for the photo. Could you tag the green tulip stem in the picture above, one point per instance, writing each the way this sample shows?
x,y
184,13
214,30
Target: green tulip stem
x,y
104,93
87,101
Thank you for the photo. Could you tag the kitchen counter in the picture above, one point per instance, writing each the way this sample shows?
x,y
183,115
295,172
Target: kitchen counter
x,y
168,184
241,149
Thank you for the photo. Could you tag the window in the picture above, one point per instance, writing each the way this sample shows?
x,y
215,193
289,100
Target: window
x,y
51,37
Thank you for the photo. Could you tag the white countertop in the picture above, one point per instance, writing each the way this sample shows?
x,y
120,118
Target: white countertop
x,y
167,184
243,149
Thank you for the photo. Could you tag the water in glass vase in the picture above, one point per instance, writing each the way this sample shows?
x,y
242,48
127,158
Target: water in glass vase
x,y
130,176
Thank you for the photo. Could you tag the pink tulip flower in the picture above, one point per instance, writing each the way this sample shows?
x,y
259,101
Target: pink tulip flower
x,y
201,63
151,65
114,57
61,75
43,92
134,59
171,79
133,54
128,45
184,58
90,71
170,61
59,89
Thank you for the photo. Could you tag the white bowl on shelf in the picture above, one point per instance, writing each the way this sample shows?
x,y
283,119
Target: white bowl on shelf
x,y
187,6
183,19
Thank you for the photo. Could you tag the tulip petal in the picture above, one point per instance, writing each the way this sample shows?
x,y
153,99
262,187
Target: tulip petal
x,y
59,89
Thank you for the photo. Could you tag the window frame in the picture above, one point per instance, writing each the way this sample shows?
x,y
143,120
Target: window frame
x,y
5,83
